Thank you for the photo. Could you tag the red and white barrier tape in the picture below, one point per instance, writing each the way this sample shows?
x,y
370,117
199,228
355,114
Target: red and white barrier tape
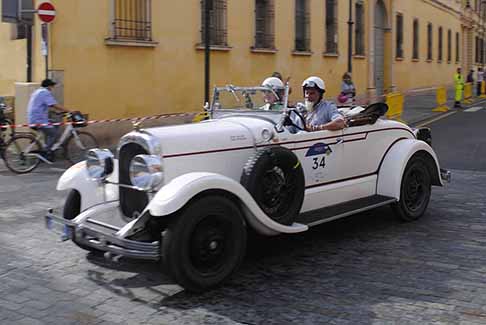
x,y
134,119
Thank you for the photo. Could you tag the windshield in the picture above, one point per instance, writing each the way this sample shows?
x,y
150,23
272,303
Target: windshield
x,y
248,98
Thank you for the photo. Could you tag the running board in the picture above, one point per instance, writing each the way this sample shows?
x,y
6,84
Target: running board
x,y
316,217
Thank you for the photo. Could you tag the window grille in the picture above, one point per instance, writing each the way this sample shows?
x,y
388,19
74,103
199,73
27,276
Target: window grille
x,y
218,33
457,47
132,20
449,46
399,45
429,41
415,52
359,29
440,44
264,24
302,25
331,26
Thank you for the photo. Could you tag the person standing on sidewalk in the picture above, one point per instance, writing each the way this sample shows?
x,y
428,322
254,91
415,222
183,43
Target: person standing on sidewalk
x,y
480,80
459,88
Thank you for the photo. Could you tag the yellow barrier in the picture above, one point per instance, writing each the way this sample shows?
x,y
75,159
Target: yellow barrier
x,y
200,117
483,89
395,106
441,97
468,93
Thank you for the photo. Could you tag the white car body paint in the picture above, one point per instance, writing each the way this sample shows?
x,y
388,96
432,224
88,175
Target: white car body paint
x,y
364,161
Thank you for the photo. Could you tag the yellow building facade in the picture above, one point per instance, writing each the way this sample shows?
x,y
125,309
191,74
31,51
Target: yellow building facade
x,y
126,58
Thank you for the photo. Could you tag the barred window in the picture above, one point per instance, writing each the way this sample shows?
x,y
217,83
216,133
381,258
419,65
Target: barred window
x,y
457,47
415,52
359,29
399,45
449,46
440,44
217,24
331,26
302,26
429,41
264,24
132,20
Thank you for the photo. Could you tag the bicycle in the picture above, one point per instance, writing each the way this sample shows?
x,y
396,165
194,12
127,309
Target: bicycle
x,y
23,152
4,127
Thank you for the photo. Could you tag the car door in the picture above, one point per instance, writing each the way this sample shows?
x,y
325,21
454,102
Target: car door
x,y
320,154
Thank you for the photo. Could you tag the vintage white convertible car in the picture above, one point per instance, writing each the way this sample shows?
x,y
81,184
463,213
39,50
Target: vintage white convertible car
x,y
188,195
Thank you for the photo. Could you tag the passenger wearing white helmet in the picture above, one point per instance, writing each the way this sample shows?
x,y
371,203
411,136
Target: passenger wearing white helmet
x,y
274,97
321,114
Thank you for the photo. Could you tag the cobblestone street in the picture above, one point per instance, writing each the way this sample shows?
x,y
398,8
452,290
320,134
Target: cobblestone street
x,y
369,268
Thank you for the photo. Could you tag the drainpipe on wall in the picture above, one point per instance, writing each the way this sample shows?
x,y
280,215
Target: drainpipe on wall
x,y
350,37
28,28
207,8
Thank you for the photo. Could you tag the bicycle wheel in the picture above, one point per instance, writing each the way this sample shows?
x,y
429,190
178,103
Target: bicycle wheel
x,y
16,154
78,145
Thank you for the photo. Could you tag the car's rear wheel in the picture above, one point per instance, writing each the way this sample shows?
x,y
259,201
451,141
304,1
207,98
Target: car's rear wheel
x,y
72,208
414,190
205,243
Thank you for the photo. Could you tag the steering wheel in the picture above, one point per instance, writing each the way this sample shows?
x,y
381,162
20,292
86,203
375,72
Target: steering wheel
x,y
289,122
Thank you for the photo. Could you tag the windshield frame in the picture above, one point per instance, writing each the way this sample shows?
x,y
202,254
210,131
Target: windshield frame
x,y
234,89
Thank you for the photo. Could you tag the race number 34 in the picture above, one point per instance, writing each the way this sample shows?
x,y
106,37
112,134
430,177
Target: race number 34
x,y
319,162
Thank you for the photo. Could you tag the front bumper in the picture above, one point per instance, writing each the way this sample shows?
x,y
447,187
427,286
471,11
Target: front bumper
x,y
106,241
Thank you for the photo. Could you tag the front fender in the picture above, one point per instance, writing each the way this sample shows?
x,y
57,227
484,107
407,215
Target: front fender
x,y
393,166
176,194
92,192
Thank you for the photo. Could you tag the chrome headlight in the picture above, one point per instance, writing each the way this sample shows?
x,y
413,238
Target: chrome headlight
x,y
146,172
99,163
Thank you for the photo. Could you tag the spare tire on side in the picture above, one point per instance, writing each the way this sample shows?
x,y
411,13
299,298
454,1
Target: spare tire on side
x,y
275,179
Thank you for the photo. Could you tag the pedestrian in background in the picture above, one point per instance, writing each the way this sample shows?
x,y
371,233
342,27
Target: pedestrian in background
x,y
470,76
348,90
459,88
480,80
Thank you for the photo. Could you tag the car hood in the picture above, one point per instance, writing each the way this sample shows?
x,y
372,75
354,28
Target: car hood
x,y
229,133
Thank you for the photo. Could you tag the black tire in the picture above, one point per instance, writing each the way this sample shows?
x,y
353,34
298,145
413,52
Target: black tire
x,y
72,208
16,156
414,190
275,179
73,152
205,243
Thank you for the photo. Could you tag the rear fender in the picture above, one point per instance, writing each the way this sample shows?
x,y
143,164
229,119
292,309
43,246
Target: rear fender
x,y
393,166
92,192
176,194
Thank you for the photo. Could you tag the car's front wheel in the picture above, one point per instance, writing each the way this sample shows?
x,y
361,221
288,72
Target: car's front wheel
x,y
414,190
205,243
72,208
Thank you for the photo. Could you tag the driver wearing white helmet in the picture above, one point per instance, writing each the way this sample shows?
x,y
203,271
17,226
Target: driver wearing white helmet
x,y
274,96
321,114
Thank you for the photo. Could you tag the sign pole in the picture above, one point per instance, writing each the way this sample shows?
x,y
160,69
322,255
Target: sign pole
x,y
45,46
47,13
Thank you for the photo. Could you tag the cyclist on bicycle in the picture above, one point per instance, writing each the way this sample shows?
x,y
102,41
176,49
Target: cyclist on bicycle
x,y
40,102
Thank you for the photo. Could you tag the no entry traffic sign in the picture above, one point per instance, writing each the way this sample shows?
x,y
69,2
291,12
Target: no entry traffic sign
x,y
46,12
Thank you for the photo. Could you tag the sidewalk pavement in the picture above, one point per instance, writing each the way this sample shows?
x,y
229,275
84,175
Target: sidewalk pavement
x,y
418,106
